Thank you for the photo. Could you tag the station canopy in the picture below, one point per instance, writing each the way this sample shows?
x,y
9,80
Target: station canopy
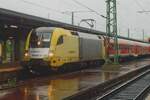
x,y
10,17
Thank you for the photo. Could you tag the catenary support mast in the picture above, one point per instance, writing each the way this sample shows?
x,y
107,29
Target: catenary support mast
x,y
111,27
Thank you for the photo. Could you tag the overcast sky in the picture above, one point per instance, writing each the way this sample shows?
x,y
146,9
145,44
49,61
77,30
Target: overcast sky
x,y
128,16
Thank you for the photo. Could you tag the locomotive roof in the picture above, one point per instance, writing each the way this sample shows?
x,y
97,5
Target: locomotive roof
x,y
88,36
45,29
129,42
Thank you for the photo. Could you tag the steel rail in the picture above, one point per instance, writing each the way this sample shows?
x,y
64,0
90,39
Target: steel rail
x,y
141,95
121,88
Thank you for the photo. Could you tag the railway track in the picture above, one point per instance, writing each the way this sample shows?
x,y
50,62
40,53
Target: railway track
x,y
134,89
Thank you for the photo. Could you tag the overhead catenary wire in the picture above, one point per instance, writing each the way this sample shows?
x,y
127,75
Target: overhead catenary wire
x,y
38,5
140,6
58,11
143,10
83,5
69,4
137,2
47,8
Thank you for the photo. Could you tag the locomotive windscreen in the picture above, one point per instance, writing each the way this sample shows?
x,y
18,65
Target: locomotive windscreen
x,y
40,39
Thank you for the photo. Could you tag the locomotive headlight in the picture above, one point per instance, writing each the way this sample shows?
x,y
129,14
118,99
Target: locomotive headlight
x,y
51,54
39,43
26,54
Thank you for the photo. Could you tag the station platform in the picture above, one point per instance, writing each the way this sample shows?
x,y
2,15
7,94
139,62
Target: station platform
x,y
10,67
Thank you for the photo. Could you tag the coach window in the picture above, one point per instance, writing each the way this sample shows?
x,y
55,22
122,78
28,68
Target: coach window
x,y
60,40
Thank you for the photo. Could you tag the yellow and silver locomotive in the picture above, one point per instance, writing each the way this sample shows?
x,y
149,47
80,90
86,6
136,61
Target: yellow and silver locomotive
x,y
54,48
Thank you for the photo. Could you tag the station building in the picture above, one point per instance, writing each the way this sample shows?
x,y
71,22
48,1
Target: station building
x,y
14,28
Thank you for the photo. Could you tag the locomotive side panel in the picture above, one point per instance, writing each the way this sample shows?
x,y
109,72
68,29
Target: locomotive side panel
x,y
90,47
66,52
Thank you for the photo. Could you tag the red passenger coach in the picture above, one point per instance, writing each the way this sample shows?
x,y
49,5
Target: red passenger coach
x,y
128,48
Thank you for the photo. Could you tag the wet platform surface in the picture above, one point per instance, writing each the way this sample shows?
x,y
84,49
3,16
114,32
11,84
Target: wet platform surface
x,y
10,67
59,88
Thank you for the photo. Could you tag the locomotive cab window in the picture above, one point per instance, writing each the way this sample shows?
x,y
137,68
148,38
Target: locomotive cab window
x,y
60,40
40,39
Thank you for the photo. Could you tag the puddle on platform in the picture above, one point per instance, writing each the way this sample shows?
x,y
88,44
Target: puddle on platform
x,y
56,89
